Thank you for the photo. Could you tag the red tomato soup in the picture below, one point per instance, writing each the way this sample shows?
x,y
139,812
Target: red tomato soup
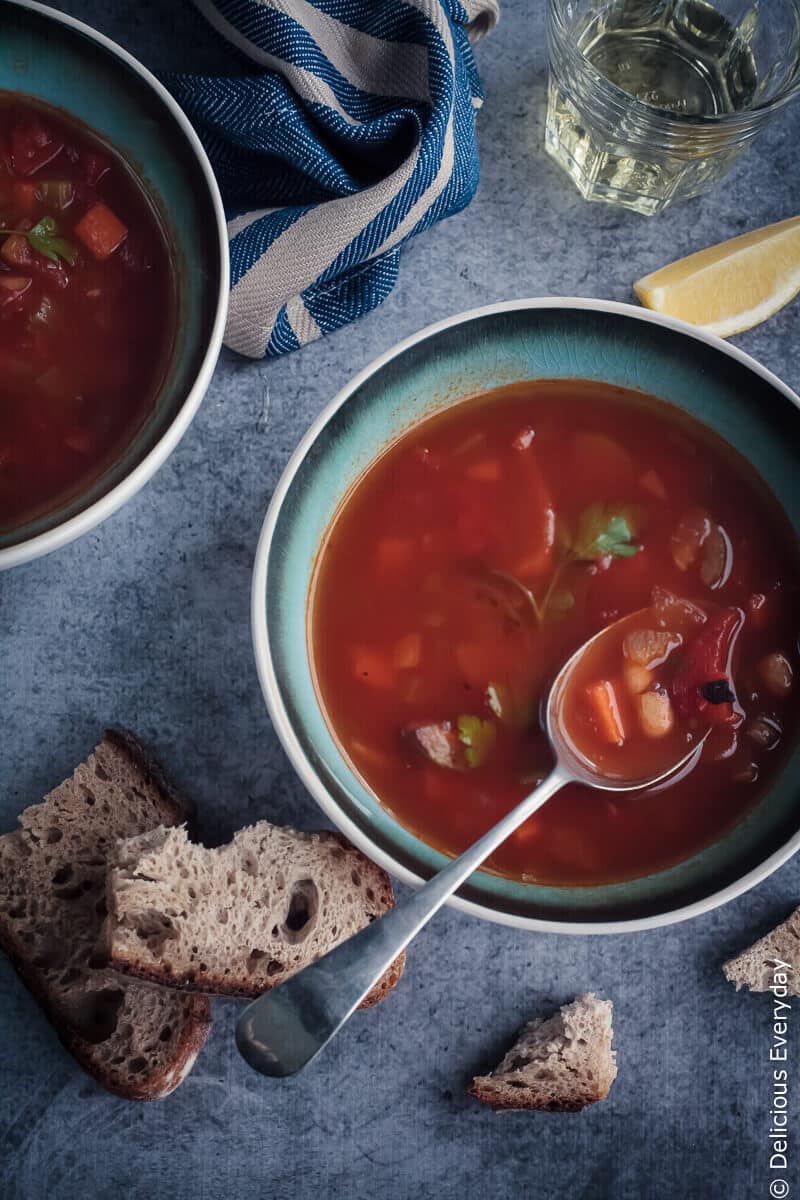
x,y
476,554
87,308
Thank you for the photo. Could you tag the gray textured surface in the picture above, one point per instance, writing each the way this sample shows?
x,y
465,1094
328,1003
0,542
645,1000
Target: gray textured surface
x,y
145,621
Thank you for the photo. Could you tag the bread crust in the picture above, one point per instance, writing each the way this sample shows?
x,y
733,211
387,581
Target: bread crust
x,y
755,967
197,1016
237,988
561,1063
512,1102
177,806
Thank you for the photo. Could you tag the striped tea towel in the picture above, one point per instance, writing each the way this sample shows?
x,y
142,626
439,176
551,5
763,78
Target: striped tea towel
x,y
354,130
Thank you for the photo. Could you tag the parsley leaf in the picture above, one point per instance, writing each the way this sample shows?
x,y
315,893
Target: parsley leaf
x,y
44,239
478,739
603,532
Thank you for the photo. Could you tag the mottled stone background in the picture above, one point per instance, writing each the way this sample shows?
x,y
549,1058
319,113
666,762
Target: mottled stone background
x,y
145,621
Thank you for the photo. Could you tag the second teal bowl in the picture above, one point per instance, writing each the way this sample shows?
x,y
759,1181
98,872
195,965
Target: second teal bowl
x,y
64,63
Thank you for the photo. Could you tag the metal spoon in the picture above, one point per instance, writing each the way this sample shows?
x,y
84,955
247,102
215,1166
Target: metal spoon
x,y
283,1030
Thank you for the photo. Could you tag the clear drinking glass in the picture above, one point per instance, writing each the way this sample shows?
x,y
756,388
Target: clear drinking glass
x,y
652,101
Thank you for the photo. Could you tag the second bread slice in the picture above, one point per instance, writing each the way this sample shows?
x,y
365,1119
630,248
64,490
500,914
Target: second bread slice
x,y
240,919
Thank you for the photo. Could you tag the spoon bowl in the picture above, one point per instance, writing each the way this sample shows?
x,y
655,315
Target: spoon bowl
x,y
577,767
284,1029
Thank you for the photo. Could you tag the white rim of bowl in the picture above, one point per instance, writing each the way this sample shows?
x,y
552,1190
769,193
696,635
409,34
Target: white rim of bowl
x,y
88,518
269,682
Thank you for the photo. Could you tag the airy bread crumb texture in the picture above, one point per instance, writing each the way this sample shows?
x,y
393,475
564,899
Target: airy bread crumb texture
x,y
135,1040
239,919
558,1064
755,968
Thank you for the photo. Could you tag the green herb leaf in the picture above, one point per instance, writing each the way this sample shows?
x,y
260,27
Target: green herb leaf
x,y
44,239
478,739
603,531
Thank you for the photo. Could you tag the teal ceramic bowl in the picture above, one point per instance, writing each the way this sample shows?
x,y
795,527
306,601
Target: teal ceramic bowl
x,y
64,63
526,339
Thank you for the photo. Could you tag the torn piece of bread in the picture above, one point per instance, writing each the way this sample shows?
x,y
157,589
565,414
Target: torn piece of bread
x,y
558,1064
242,918
137,1041
778,950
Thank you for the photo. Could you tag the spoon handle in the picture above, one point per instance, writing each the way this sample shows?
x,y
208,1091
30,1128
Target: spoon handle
x,y
281,1031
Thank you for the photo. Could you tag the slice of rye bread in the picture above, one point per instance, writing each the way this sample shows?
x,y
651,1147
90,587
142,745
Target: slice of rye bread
x,y
136,1040
558,1064
240,919
755,968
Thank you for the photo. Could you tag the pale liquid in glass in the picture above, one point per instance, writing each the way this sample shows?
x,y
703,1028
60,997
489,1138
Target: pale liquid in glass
x,y
684,59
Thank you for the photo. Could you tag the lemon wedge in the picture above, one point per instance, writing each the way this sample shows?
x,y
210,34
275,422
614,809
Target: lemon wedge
x,y
730,287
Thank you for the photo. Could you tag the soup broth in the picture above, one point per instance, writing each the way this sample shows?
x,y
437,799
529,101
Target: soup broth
x,y
482,548
87,308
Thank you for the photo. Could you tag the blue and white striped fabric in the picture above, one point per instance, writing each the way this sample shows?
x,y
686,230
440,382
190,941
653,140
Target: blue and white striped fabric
x,y
349,128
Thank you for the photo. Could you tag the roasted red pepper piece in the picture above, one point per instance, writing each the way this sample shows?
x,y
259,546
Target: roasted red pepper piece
x,y
708,659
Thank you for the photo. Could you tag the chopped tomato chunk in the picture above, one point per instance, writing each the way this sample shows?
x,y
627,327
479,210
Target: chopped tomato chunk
x,y
708,661
101,231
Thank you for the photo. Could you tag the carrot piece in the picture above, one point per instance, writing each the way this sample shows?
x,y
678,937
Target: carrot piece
x,y
652,483
486,471
393,553
372,668
407,652
605,710
101,231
